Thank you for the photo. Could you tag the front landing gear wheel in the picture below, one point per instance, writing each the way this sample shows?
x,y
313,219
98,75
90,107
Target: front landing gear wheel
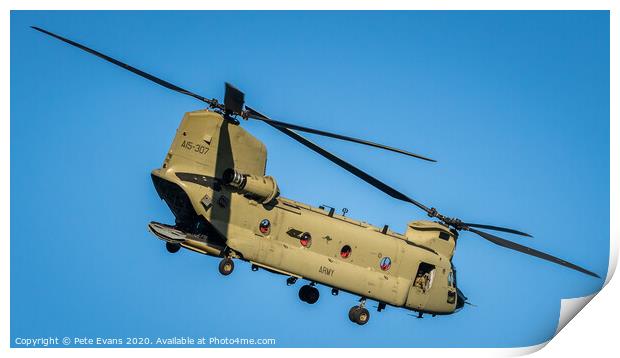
x,y
172,247
359,315
353,313
309,294
363,317
226,266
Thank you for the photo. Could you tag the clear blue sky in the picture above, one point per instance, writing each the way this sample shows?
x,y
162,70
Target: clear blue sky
x,y
513,105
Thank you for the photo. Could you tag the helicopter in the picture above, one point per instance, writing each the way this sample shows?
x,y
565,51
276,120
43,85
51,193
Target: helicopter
x,y
213,179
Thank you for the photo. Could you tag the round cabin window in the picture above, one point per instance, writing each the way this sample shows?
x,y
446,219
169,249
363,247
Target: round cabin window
x,y
345,252
305,240
264,226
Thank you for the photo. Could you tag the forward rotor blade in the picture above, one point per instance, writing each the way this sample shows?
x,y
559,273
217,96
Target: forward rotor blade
x,y
498,228
253,114
138,72
345,165
529,251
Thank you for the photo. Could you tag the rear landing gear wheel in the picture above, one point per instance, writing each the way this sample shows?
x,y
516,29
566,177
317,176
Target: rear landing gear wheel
x,y
359,315
172,247
226,266
309,294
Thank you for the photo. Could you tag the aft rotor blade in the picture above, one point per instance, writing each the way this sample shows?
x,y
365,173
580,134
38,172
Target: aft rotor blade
x,y
138,72
498,228
253,114
347,166
529,251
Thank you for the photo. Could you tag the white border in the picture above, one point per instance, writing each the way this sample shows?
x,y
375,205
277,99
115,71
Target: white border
x,y
595,331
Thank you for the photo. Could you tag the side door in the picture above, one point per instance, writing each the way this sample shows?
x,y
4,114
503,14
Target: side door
x,y
421,286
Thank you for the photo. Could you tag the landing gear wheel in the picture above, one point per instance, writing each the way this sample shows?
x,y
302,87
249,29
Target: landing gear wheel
x,y
172,247
226,266
353,313
359,315
363,316
303,292
313,295
308,294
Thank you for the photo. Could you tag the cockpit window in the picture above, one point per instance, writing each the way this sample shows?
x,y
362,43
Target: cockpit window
x,y
450,279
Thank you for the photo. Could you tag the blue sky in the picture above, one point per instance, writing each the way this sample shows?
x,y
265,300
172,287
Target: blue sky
x,y
513,105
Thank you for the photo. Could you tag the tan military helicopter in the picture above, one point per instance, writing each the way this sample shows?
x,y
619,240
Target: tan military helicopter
x,y
213,180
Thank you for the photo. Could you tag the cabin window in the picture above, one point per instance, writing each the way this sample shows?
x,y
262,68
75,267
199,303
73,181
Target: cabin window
x,y
345,252
264,226
424,277
306,239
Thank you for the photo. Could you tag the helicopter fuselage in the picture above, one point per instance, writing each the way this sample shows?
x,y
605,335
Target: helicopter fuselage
x,y
280,235
213,180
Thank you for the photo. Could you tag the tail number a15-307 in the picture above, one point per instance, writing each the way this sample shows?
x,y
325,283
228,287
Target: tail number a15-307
x,y
192,147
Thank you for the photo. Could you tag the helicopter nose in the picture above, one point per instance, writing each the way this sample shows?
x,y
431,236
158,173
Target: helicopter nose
x,y
460,299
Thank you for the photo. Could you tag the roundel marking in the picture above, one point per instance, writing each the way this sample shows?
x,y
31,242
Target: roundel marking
x,y
385,263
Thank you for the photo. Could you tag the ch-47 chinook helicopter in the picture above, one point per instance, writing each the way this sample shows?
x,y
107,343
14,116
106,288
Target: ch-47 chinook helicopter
x,y
213,180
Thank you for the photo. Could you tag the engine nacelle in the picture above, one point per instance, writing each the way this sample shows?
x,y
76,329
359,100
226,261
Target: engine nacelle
x,y
264,189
